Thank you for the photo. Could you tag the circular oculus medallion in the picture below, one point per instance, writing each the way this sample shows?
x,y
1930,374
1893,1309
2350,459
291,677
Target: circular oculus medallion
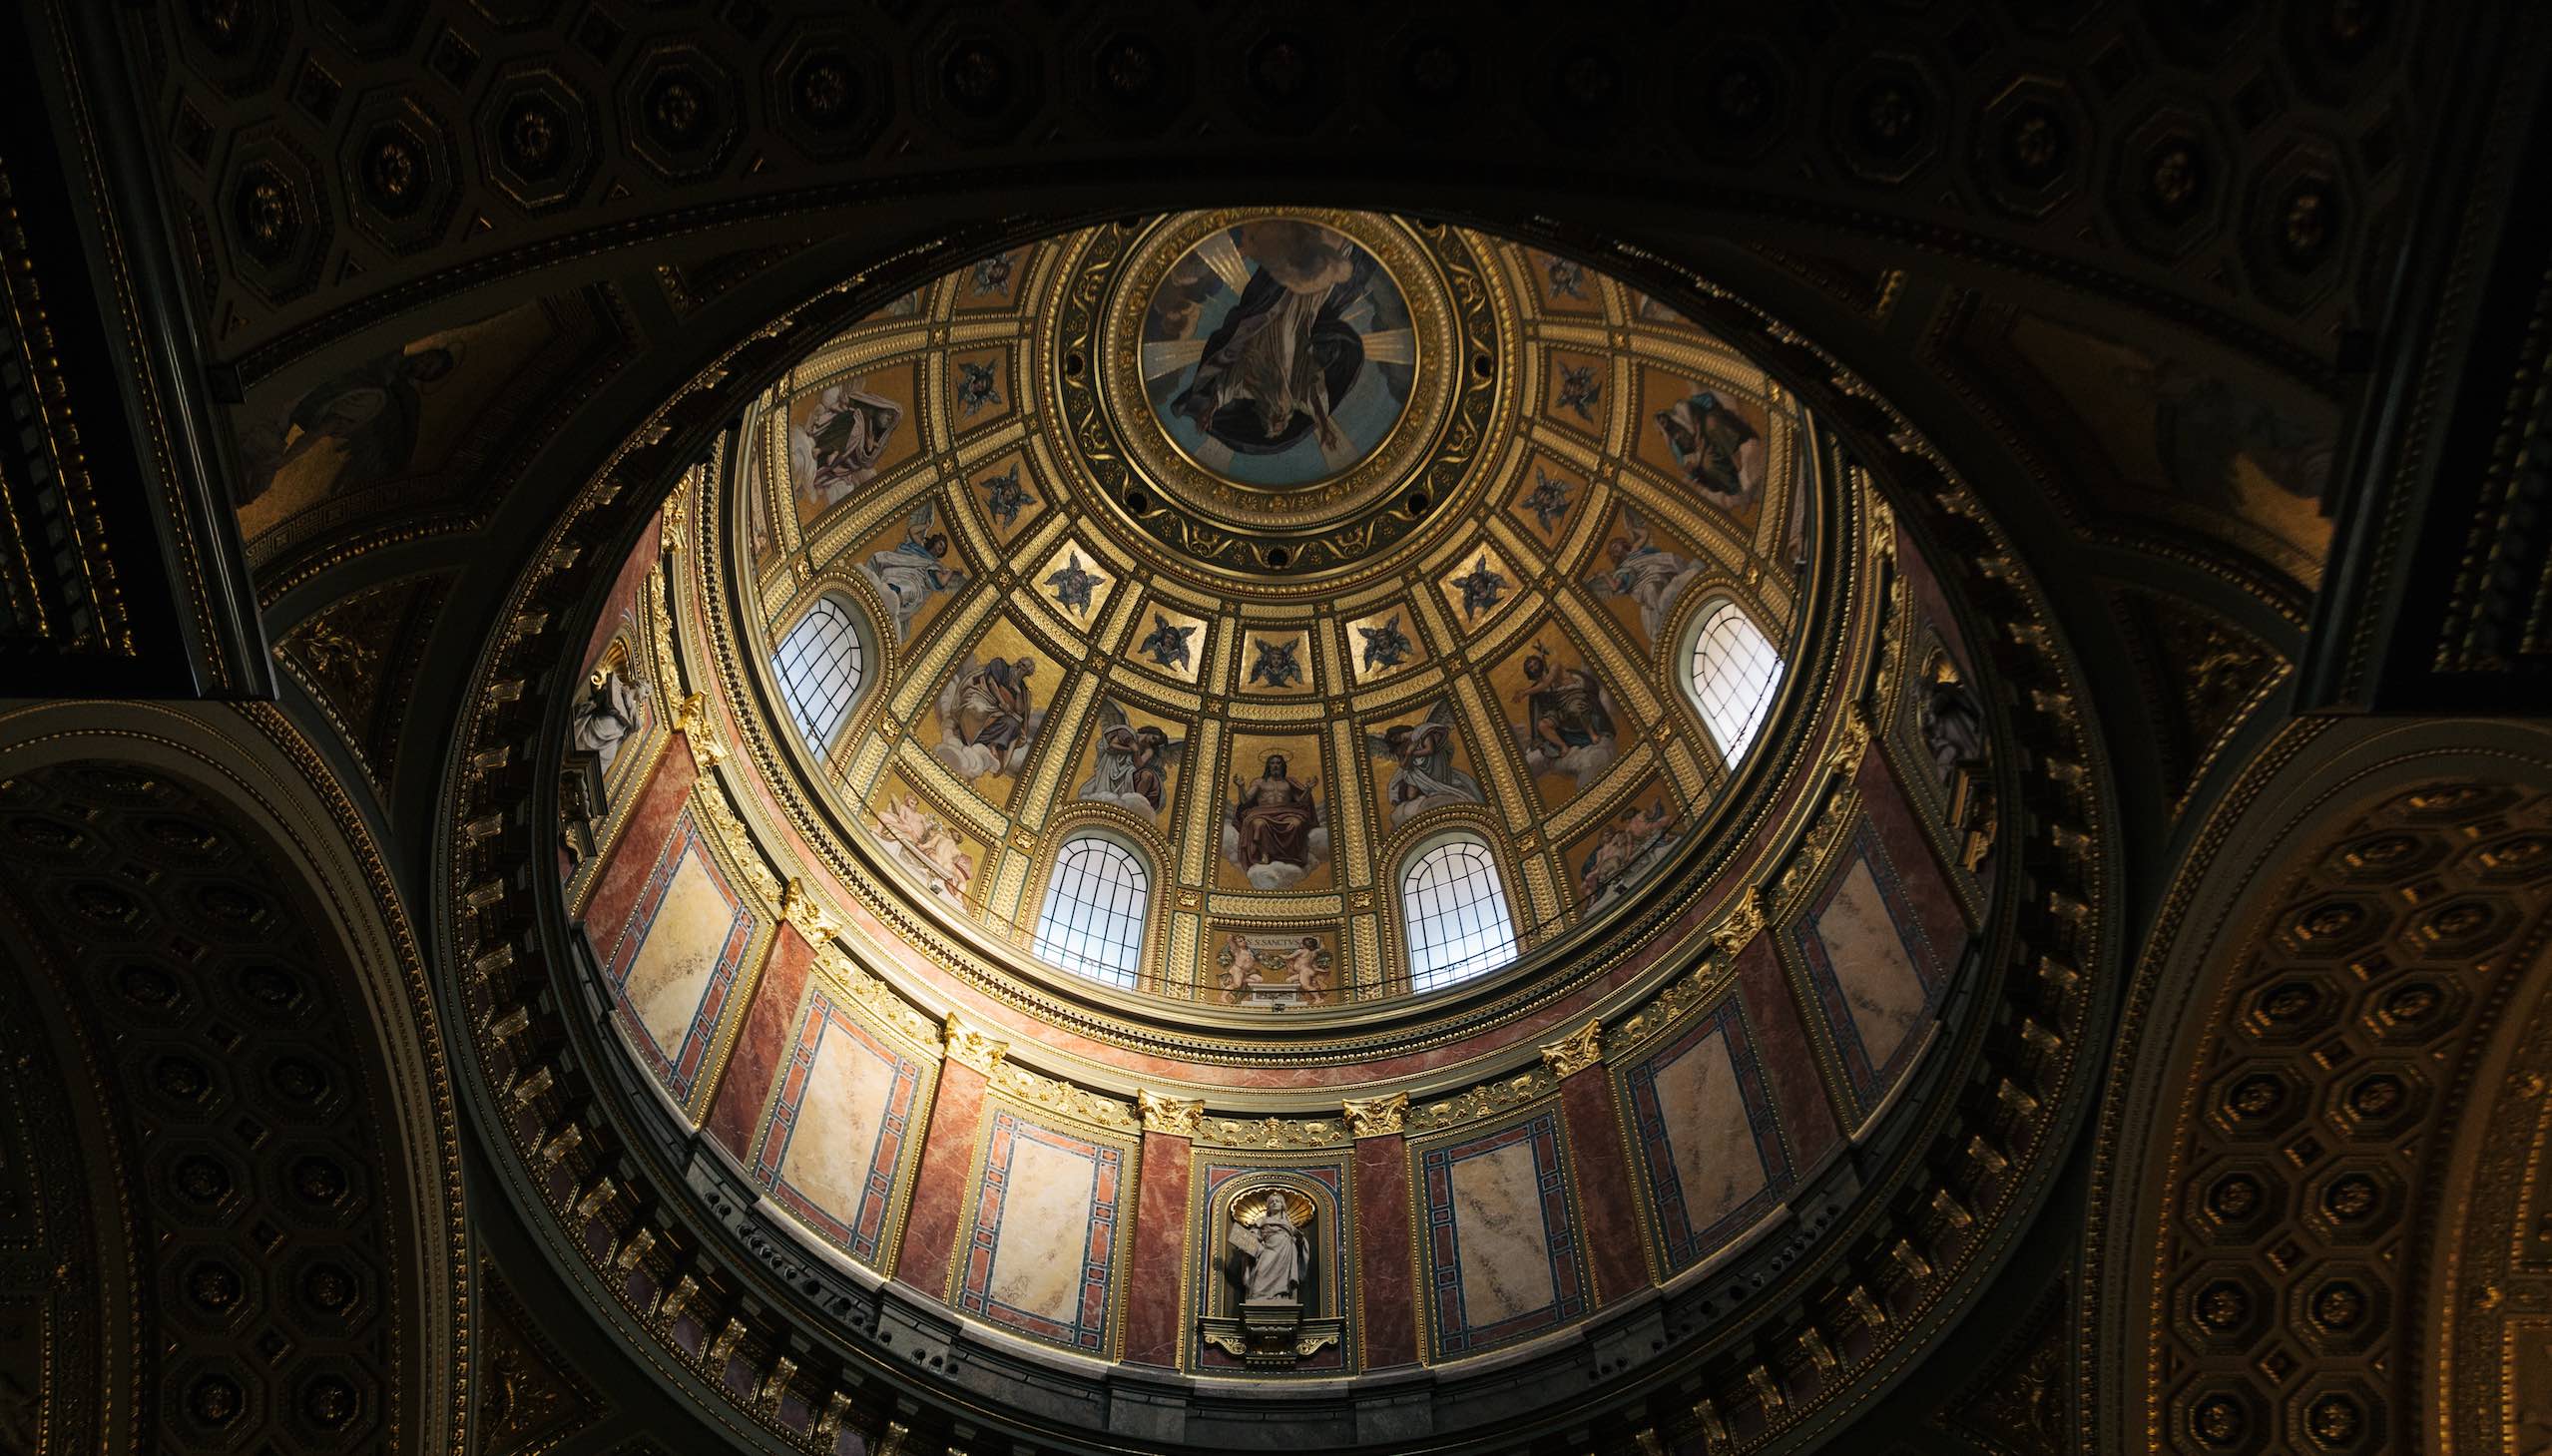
x,y
1281,371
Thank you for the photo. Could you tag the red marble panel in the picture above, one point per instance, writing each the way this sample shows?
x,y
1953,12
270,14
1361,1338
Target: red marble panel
x,y
939,1186
621,604
1153,1312
625,865
1607,1201
1929,600
1785,1054
1389,1301
1909,850
760,1048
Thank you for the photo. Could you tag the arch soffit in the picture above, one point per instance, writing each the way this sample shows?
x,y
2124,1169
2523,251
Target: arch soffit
x,y
2302,787
256,765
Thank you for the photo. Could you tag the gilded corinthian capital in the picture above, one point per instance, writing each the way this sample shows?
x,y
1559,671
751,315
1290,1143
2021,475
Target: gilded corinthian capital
x,y
1377,1116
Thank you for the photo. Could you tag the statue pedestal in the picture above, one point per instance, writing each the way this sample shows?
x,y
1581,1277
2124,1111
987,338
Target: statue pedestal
x,y
1270,1335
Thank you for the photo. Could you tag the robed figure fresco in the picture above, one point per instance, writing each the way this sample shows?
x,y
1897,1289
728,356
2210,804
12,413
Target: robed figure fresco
x,y
1274,832
1133,765
356,429
845,434
1286,354
914,570
1270,1252
1569,718
988,717
1718,451
1647,572
1421,755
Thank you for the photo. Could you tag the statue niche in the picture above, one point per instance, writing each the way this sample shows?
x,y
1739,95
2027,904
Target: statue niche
x,y
1953,722
1267,1309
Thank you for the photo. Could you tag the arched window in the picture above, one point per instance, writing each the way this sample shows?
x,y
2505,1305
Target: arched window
x,y
821,665
1092,922
1455,911
1734,672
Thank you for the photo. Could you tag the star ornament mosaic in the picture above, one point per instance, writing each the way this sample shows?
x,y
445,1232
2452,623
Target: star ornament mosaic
x,y
1168,645
1073,584
1385,641
1278,660
1478,592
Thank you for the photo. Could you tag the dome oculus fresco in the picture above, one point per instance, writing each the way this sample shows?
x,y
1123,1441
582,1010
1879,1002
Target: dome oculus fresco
x,y
1282,552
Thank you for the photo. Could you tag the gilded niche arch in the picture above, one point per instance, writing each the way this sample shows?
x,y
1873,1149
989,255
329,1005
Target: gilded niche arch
x,y
1305,1331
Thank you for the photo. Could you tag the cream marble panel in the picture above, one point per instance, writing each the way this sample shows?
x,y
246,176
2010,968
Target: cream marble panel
x,y
671,968
1505,1246
1869,955
835,1140
1713,1147
1045,1231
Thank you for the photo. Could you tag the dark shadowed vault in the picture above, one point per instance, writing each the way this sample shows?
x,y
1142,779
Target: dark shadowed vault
x,y
472,990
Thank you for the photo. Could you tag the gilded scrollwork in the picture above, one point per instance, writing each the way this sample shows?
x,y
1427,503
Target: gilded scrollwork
x,y
1484,1101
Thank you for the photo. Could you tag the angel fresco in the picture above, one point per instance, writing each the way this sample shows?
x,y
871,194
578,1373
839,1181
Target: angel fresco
x,y
1716,451
1423,775
357,429
1642,571
1482,588
1279,664
1569,718
991,276
1628,847
914,570
977,385
1240,967
1548,499
1278,363
1072,586
1273,831
1134,764
844,435
1386,646
1580,390
988,717
926,846
1004,497
1167,645
1306,967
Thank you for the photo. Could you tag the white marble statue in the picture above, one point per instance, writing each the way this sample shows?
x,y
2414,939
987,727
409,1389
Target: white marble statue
x,y
1277,1249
